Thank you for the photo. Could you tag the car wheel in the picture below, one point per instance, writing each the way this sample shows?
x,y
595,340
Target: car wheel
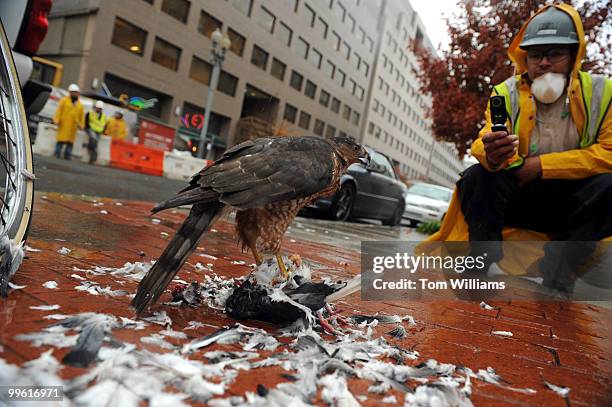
x,y
342,206
396,218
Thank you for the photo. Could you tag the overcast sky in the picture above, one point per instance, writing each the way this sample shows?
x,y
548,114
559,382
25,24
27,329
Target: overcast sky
x,y
432,14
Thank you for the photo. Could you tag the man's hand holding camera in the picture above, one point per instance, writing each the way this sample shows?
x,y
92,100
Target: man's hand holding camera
x,y
500,146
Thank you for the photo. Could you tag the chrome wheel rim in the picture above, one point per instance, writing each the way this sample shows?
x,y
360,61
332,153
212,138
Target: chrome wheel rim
x,y
15,168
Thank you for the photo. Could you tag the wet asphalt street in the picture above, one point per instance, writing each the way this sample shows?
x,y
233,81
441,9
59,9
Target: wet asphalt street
x,y
77,178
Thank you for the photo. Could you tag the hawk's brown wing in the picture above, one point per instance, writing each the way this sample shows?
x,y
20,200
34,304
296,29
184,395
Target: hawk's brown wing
x,y
263,171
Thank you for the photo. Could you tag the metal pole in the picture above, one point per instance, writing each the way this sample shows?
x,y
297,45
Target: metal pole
x,y
209,103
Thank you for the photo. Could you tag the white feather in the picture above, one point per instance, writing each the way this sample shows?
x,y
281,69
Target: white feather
x,y
108,393
45,307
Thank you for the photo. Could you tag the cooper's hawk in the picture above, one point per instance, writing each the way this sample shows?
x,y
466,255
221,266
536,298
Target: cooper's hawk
x,y
268,180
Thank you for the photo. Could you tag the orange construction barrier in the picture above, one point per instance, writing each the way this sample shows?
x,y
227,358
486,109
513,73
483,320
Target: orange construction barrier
x,y
136,157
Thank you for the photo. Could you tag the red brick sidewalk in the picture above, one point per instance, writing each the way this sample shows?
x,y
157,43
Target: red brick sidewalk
x,y
567,344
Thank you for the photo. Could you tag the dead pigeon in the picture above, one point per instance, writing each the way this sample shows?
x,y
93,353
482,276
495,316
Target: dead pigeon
x,y
280,305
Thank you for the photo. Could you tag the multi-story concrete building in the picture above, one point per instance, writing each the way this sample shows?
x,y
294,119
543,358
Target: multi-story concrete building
x,y
328,67
396,122
306,64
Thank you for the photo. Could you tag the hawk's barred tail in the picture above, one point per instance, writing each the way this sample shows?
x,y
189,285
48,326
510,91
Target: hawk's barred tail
x,y
185,240
187,197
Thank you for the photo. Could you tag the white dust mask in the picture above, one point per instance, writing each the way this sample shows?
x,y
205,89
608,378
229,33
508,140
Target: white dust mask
x,y
549,87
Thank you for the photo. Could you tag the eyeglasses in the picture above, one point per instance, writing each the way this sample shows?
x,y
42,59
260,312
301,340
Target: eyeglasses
x,y
553,55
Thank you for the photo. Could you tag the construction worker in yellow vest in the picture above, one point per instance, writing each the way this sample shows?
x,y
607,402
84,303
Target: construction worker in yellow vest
x,y
549,176
116,127
95,122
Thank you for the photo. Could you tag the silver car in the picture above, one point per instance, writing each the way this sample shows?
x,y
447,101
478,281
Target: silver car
x,y
426,202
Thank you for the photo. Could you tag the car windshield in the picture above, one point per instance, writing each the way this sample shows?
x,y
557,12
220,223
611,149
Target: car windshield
x,y
430,192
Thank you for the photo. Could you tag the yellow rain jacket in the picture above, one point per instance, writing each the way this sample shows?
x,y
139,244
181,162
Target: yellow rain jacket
x,y
68,118
589,103
116,128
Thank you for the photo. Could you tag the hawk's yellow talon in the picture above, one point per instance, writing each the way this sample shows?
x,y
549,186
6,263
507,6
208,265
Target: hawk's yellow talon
x,y
256,255
282,267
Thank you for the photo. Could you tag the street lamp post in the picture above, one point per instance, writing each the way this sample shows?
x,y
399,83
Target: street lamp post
x,y
220,44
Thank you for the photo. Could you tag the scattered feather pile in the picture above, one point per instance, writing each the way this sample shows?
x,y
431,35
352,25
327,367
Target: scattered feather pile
x,y
315,369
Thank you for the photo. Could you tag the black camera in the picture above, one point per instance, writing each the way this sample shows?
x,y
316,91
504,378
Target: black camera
x,y
498,113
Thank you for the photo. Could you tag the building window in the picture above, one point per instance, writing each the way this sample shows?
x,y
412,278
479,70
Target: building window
x,y
346,112
290,113
284,34
259,58
351,23
356,60
178,9
301,47
371,127
335,105
340,77
366,68
304,120
200,70
322,28
128,36
293,5
370,44
237,40
335,41
330,69
244,6
310,15
296,81
318,127
208,24
355,118
343,134
324,98
310,90
330,131
266,19
278,69
352,86
166,54
345,50
362,35
360,93
227,83
315,58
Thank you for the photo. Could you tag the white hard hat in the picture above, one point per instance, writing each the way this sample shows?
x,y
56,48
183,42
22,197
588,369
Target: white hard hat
x,y
99,104
74,88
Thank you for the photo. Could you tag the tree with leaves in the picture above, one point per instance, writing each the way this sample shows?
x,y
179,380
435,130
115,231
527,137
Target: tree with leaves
x,y
461,78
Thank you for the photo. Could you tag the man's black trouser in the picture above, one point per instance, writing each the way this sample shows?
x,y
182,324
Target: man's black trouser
x,y
92,145
567,210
